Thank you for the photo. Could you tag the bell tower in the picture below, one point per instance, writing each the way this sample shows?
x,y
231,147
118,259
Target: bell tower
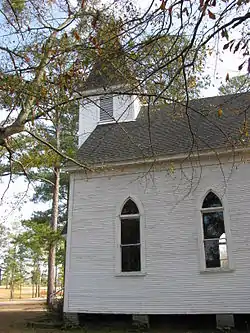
x,y
108,97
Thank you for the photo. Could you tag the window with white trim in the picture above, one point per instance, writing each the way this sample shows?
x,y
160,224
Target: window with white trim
x,y
130,244
106,108
214,235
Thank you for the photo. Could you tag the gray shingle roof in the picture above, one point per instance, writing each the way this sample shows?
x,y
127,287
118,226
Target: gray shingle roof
x,y
170,130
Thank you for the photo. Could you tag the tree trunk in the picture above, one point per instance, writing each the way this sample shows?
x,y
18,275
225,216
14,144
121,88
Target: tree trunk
x,y
39,280
56,273
20,291
12,284
52,250
11,290
55,205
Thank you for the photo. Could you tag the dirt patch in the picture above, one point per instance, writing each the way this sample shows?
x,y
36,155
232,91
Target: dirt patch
x,y
15,317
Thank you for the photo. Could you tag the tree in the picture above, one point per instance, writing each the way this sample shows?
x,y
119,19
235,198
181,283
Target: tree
x,y
168,80
14,272
62,130
28,253
50,47
44,40
40,164
3,239
235,85
36,239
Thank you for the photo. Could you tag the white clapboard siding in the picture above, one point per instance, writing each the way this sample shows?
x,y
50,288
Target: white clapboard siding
x,y
173,283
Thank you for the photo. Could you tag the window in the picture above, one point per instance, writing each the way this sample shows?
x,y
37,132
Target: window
x,y
106,108
214,235
130,245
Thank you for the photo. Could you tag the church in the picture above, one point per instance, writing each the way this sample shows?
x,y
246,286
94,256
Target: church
x,y
158,221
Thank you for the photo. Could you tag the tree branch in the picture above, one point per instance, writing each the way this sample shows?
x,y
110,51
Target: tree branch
x,y
84,166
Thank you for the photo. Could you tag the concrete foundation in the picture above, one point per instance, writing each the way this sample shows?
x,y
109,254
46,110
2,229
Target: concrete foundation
x,y
71,319
224,320
140,320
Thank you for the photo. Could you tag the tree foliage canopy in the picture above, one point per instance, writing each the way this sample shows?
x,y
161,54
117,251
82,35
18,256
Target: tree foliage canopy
x,y
47,49
236,85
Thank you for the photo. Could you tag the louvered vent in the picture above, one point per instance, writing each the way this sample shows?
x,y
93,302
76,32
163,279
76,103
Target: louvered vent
x,y
106,108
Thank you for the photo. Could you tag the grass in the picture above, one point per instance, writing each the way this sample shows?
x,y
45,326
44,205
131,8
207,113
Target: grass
x,y
26,293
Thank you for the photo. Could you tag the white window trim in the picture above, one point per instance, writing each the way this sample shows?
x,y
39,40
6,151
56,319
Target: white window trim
x,y
106,122
203,268
118,271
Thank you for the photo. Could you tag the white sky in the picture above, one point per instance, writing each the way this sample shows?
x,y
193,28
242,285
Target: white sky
x,y
16,204
11,212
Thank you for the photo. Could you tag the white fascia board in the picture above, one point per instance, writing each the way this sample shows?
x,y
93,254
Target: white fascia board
x,y
176,157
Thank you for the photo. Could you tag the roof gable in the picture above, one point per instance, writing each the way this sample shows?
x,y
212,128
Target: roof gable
x,y
110,70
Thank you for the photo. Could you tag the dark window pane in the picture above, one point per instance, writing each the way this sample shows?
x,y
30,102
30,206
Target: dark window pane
x,y
212,253
130,208
213,224
131,258
130,231
211,200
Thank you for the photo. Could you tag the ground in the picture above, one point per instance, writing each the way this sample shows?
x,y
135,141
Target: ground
x,y
15,317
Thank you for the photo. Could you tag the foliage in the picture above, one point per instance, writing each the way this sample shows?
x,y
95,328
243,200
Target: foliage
x,y
47,50
236,85
37,235
40,52
169,80
3,239
14,269
27,255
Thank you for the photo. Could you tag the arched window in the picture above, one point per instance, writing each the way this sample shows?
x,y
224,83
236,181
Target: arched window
x,y
130,237
214,236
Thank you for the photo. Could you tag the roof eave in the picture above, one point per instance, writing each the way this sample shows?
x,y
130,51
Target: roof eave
x,y
175,157
101,90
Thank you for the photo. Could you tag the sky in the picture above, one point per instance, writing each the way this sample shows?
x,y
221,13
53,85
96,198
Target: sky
x,y
11,212
16,204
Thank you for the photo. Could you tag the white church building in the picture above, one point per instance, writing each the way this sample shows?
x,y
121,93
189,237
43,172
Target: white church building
x,y
160,221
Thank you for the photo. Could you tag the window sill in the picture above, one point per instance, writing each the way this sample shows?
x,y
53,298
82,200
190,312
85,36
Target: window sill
x,y
121,274
217,270
104,122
